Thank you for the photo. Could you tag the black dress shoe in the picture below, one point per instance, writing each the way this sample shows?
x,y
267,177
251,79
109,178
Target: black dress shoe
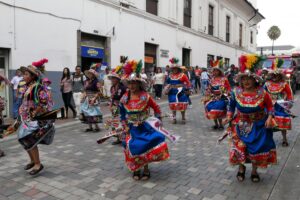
x,y
36,171
2,153
215,127
116,142
28,166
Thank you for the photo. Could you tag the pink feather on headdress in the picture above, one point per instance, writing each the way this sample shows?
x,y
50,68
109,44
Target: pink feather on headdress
x,y
40,63
128,68
174,61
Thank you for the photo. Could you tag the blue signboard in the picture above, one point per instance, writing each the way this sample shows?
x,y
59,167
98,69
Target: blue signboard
x,y
92,52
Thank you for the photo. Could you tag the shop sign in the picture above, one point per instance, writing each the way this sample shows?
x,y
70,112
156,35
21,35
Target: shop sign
x,y
92,52
149,59
164,53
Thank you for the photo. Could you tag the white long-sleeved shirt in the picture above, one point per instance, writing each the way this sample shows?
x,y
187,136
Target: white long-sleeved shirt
x,y
204,75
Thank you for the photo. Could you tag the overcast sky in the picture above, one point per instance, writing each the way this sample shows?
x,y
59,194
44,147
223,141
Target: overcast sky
x,y
286,15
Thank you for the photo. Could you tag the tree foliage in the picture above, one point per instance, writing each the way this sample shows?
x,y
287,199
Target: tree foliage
x,y
274,33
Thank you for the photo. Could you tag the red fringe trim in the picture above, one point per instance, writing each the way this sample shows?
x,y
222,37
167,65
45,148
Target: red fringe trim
x,y
157,154
215,114
283,123
238,154
178,106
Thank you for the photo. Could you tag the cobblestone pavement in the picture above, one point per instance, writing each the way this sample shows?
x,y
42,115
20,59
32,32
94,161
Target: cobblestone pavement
x,y
77,168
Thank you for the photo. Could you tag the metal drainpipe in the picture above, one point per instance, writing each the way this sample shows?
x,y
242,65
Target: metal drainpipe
x,y
218,19
15,34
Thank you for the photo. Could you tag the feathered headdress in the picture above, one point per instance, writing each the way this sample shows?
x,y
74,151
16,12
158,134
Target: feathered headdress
x,y
218,65
117,72
40,65
277,64
174,61
118,69
132,72
95,66
250,63
133,66
276,68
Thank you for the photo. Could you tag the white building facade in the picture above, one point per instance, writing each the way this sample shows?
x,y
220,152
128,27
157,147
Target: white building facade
x,y
81,32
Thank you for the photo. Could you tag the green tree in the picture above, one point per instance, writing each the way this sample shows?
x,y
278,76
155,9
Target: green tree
x,y
274,33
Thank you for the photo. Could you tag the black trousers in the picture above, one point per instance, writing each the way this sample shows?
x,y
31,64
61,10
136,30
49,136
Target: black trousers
x,y
158,90
197,83
67,101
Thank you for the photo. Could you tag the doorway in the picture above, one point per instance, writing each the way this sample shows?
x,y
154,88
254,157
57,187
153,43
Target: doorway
x,y
92,50
186,53
150,58
87,62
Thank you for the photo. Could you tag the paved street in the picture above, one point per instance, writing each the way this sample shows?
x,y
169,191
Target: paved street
x,y
77,168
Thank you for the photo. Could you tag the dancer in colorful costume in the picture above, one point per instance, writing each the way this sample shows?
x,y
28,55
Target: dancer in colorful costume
x,y
250,129
90,107
144,143
36,102
216,96
177,88
117,90
282,96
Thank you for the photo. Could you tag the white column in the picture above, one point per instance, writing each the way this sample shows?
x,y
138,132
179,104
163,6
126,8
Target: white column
x,y
173,10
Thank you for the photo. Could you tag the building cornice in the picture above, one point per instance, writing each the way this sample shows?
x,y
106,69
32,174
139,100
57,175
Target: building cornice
x,y
173,24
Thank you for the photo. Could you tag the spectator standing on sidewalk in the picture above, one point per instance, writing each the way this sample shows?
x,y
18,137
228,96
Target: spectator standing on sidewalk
x,y
167,72
107,84
192,78
78,87
204,80
66,90
159,79
15,82
231,75
197,80
144,75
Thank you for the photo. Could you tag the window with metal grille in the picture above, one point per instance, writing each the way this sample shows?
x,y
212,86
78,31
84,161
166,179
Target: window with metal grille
x,y
251,37
241,35
211,20
187,12
152,6
227,29
227,62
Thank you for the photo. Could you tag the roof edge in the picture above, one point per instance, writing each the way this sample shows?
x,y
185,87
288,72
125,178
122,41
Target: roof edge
x,y
255,9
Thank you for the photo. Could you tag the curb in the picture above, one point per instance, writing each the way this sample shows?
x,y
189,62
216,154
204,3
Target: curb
x,y
67,124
